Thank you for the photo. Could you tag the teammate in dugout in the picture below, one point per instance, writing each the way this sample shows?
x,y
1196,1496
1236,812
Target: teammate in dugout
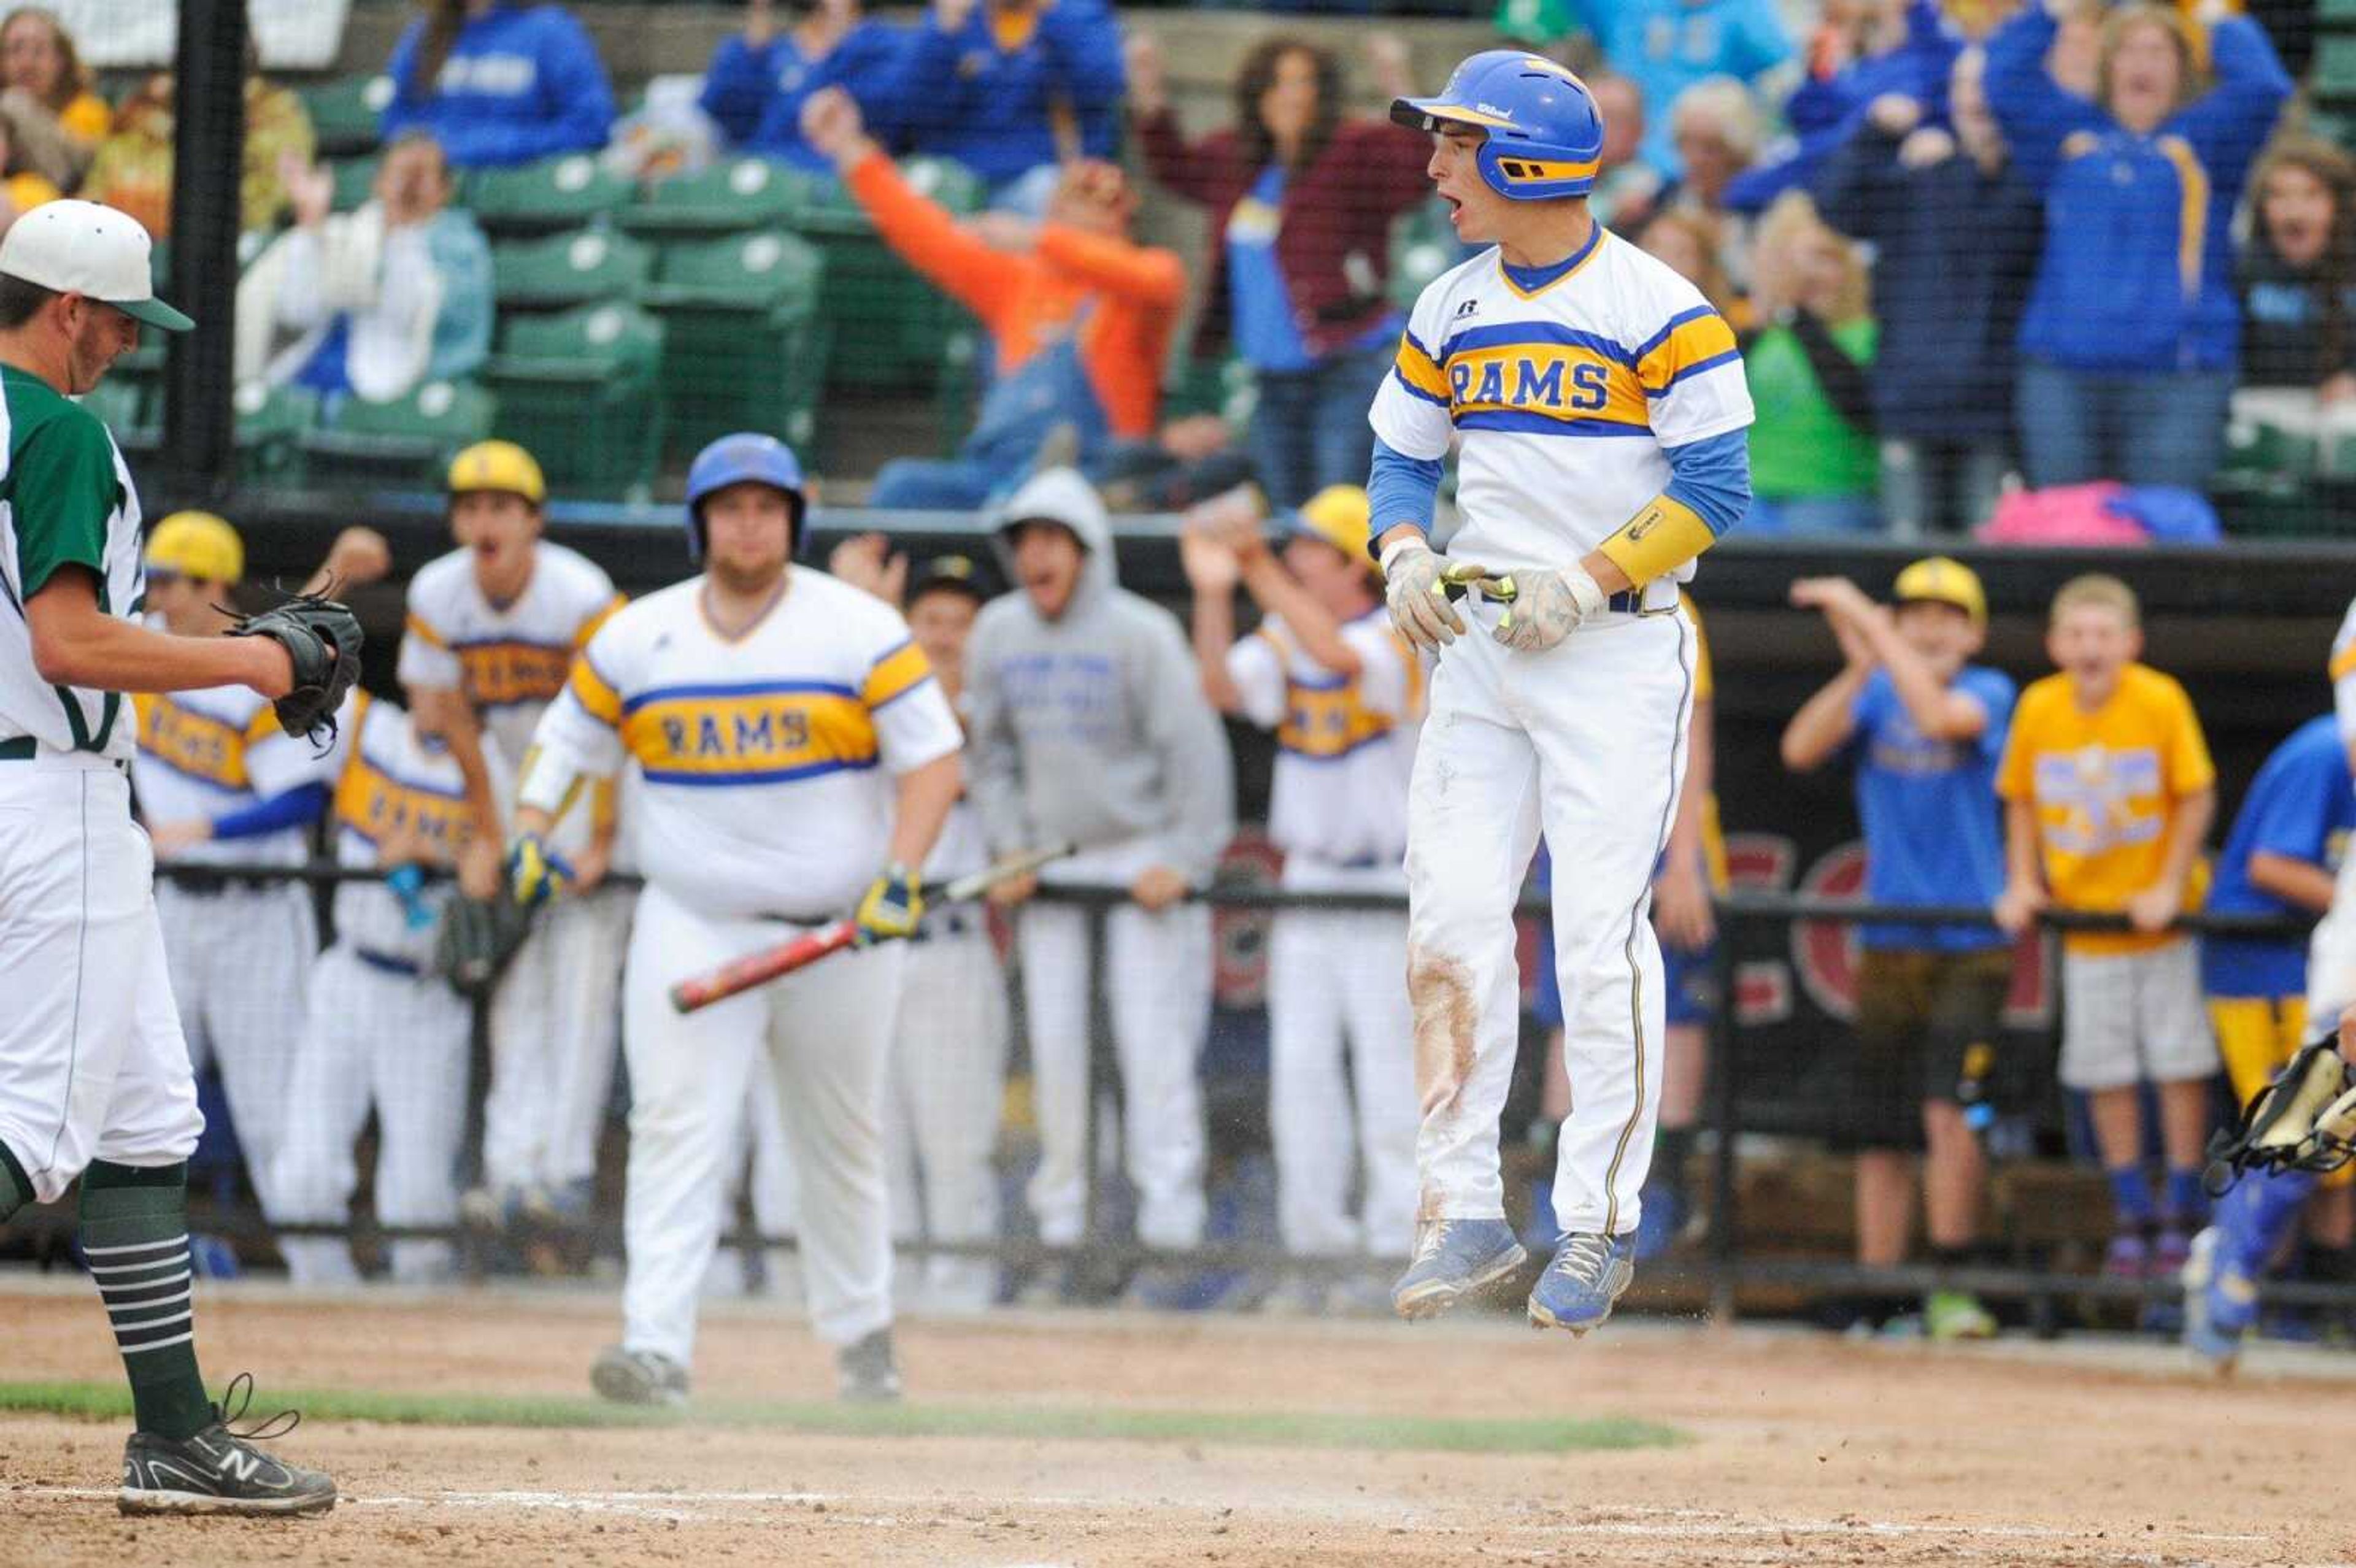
x,y
1089,727
1600,405
493,628
792,741
221,787
1343,693
383,1029
94,1075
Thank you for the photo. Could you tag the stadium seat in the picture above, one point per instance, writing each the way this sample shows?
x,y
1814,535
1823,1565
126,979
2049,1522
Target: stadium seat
x,y
566,270
344,114
2335,67
2335,14
1423,246
745,346
899,319
129,408
580,389
354,181
727,198
406,443
269,425
566,192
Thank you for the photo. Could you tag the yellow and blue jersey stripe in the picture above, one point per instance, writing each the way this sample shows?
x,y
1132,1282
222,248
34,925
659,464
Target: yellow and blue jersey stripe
x,y
1540,377
198,744
751,732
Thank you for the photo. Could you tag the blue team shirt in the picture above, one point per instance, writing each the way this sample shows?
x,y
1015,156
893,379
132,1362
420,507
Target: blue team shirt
x,y
2301,804
1933,834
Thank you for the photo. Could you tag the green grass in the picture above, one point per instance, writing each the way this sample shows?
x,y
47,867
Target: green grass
x,y
1470,1435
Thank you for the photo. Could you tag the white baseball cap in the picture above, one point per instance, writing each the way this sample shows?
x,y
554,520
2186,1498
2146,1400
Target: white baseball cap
x,y
81,248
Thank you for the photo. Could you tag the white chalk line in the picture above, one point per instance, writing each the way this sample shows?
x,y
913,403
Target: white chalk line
x,y
1651,1523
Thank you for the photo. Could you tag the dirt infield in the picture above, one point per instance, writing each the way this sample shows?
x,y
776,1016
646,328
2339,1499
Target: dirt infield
x,y
1792,1448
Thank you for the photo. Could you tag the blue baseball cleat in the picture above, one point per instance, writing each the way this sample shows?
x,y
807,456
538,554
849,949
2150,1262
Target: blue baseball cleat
x,y
1453,1258
2221,1302
1589,1272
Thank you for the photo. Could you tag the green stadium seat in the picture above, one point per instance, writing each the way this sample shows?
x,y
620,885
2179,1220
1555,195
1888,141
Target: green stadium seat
x,y
569,191
344,113
2265,449
899,318
744,346
566,270
408,442
269,425
727,198
2334,78
1423,246
2335,14
354,181
129,408
580,391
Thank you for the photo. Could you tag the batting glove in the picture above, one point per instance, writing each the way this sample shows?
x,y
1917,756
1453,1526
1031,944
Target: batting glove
x,y
536,873
893,905
1548,607
1418,585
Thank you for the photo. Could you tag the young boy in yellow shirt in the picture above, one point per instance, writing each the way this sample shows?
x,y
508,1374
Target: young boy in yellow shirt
x,y
2108,794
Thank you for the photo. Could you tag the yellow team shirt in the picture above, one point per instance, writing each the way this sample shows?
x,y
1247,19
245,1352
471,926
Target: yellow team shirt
x,y
2107,786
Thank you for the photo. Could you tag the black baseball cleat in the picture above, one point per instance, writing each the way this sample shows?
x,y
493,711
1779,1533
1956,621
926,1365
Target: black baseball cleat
x,y
219,1470
638,1377
868,1374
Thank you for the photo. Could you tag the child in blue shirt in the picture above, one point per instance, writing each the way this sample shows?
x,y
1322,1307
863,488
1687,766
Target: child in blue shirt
x,y
1926,729
759,77
498,83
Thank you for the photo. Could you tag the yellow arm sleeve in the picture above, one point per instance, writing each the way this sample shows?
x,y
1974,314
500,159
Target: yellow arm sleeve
x,y
1658,539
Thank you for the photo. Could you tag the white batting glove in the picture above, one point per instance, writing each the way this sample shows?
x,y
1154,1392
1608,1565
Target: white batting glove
x,y
1415,586
1548,607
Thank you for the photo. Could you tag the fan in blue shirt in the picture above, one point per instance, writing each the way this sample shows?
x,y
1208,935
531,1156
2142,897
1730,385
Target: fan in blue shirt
x,y
500,84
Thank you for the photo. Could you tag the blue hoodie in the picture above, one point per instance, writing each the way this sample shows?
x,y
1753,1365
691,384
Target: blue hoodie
x,y
1824,112
2137,271
520,84
990,99
755,96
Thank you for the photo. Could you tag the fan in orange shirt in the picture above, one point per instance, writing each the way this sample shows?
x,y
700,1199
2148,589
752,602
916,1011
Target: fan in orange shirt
x,y
1080,315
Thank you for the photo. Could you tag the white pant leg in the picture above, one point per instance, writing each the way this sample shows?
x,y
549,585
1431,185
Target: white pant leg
x,y
422,1029
1608,711
587,937
903,1185
1306,1090
1472,813
949,1078
830,1036
1055,947
92,1061
253,973
1158,969
189,937
521,1098
773,1188
2332,957
688,1077
326,1105
1382,1063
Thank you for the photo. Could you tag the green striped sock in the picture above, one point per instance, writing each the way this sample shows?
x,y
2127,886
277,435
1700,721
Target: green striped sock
x,y
135,1229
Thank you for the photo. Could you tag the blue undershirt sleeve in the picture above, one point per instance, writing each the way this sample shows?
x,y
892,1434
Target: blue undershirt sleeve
x,y
1402,489
1712,476
294,808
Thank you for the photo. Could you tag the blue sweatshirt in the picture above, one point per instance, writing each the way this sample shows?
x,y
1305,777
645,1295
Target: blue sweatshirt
x,y
2138,270
755,96
520,84
1825,111
1954,252
990,101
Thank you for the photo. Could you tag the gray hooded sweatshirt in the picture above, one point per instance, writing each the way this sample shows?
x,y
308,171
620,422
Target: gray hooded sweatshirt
x,y
1093,726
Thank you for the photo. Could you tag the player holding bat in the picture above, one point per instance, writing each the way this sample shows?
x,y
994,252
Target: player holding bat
x,y
792,740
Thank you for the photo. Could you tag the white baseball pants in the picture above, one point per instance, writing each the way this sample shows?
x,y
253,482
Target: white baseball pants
x,y
240,960
825,1034
1586,743
91,1063
758,1174
555,1030
947,1088
399,1042
1158,985
1337,979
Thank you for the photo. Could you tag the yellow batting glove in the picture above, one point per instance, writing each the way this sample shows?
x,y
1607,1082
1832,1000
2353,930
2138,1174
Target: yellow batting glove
x,y
892,907
535,872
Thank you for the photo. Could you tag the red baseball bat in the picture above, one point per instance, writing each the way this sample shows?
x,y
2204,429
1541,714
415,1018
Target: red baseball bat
x,y
772,963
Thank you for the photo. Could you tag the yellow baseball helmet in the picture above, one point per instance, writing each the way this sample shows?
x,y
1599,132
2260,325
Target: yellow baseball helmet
x,y
198,545
1337,515
1940,580
499,466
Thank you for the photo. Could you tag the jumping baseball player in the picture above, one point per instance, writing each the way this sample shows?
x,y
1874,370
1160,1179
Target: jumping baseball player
x,y
383,1029
498,623
1327,672
1089,727
1601,406
94,1075
792,741
221,787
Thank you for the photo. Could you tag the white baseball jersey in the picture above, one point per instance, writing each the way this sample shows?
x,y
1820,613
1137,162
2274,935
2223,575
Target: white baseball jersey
x,y
1566,398
765,758
1345,745
2343,676
2332,951
206,754
510,660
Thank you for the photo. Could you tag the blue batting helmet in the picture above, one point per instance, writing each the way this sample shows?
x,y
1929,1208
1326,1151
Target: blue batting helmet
x,y
1546,135
745,457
